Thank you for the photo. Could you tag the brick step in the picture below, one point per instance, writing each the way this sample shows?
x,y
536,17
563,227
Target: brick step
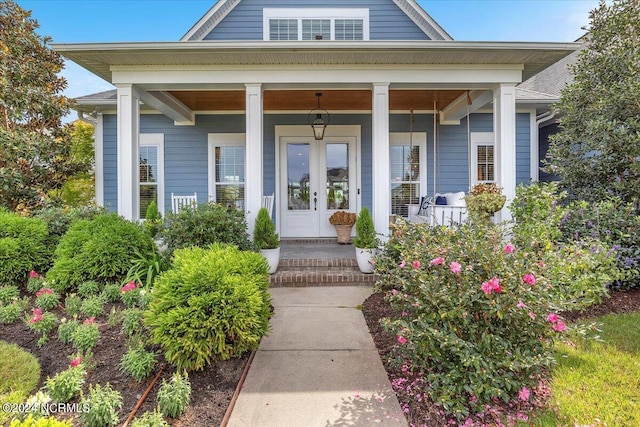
x,y
319,264
320,277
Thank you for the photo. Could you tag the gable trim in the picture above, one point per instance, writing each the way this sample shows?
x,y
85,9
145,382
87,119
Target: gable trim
x,y
423,20
212,18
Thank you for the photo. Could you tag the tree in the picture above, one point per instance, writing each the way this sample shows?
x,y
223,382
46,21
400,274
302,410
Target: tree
x,y
35,149
79,190
597,151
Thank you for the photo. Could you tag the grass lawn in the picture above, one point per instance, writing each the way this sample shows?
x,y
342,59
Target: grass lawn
x,y
598,383
18,377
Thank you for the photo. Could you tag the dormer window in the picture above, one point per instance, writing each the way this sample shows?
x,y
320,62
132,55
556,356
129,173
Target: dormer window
x,y
315,24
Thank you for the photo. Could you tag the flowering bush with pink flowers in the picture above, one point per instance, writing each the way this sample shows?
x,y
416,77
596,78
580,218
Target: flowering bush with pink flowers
x,y
474,322
41,322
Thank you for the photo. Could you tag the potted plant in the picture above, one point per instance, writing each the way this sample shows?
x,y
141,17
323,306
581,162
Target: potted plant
x,y
266,239
484,200
366,242
343,222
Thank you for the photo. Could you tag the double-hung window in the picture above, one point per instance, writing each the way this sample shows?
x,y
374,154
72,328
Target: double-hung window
x,y
227,169
407,167
483,158
151,156
316,24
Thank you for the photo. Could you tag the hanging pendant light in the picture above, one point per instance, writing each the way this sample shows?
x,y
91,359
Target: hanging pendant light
x,y
318,119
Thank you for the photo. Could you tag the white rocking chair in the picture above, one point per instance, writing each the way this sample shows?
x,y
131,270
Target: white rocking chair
x,y
183,202
267,202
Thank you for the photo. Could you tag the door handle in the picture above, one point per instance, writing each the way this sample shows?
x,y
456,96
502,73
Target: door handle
x,y
315,201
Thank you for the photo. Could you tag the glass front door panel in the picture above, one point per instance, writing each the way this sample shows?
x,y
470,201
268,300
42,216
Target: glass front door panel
x,y
337,176
298,176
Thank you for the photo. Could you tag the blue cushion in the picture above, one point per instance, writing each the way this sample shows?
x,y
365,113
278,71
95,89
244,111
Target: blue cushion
x,y
441,200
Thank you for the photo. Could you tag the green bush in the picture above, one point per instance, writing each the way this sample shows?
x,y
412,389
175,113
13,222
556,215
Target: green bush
x,y
85,337
174,395
66,329
150,419
72,305
11,312
111,293
473,315
59,220
138,363
153,222
42,323
103,404
132,321
365,231
8,294
30,421
93,306
98,250
208,223
89,289
213,304
23,247
67,384
264,233
47,299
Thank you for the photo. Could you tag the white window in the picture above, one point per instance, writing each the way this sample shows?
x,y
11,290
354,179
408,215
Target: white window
x,y
482,157
407,167
227,169
315,24
151,172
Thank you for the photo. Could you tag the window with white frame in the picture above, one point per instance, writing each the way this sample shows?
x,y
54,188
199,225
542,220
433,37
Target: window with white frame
x,y
483,157
151,157
407,167
316,24
227,169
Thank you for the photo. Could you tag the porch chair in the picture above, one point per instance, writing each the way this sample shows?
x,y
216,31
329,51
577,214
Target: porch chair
x,y
442,209
267,202
183,202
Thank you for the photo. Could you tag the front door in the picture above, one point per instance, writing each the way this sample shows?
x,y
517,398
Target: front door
x,y
317,179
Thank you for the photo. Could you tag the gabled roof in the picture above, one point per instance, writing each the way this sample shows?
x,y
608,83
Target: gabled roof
x,y
222,8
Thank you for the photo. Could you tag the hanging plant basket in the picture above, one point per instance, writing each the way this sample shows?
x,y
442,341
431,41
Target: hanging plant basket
x,y
344,233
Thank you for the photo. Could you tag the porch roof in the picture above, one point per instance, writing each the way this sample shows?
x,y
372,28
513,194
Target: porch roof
x,y
99,58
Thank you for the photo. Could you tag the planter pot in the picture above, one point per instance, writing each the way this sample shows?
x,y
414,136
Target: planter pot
x,y
364,258
273,258
344,233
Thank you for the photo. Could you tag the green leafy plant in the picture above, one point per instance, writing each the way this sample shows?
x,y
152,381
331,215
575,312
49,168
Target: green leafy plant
x,y
484,200
132,321
22,247
264,233
85,337
73,305
130,294
47,299
146,267
208,223
174,395
35,282
11,312
365,231
138,363
88,289
93,306
103,404
153,220
43,323
31,421
8,294
59,219
150,419
111,292
98,250
66,329
213,304
67,384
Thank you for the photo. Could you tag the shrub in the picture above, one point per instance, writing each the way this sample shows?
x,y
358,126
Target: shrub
x,y
174,395
66,329
365,231
67,384
132,321
73,305
43,323
8,294
264,233
11,312
23,247
88,289
103,405
208,223
153,222
19,376
59,219
92,306
213,303
98,250
138,363
35,282
85,337
150,419
473,312
30,421
111,293
47,299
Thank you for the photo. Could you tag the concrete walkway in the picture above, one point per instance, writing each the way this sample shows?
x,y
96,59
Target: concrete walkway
x,y
318,366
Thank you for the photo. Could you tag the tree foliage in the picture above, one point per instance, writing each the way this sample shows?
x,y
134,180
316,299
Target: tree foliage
x,y
36,153
597,151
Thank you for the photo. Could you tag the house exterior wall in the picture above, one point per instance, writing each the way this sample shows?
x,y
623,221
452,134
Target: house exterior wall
x,y
543,139
386,20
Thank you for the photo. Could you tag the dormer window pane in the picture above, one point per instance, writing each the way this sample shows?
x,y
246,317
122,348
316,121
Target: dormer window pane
x,y
316,29
349,29
283,29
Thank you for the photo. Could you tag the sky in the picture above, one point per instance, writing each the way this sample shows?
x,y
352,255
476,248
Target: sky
x,y
86,21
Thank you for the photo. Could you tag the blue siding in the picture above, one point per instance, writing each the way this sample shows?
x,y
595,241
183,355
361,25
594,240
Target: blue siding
x,y
544,136
523,148
386,20
110,152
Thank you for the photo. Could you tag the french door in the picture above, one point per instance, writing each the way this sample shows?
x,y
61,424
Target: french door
x,y
317,178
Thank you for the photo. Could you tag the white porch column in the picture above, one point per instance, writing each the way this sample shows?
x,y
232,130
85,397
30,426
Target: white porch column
x,y
253,154
380,159
128,152
504,125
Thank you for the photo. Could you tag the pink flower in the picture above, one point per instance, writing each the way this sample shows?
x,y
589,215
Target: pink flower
x,y
47,291
455,268
401,339
559,326
529,279
553,318
509,248
532,314
33,274
437,261
416,264
89,321
495,285
75,362
37,312
524,394
405,314
37,316
486,288
540,264
521,305
402,264
129,287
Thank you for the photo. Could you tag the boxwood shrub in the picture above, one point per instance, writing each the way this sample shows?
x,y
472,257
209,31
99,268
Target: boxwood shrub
x,y
212,305
100,250
23,247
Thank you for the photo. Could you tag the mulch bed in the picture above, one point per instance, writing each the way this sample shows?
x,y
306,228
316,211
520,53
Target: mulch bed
x,y
376,308
211,388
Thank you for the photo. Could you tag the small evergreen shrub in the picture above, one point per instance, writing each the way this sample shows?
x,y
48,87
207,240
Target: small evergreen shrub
x,y
153,222
66,329
89,289
103,405
85,337
73,305
67,384
213,304
42,323
93,306
47,299
264,233
138,363
11,312
59,219
174,395
111,293
365,231
208,223
150,419
8,294
23,247
30,421
98,250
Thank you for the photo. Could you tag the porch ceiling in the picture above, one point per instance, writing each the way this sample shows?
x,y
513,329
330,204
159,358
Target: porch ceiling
x,y
303,100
